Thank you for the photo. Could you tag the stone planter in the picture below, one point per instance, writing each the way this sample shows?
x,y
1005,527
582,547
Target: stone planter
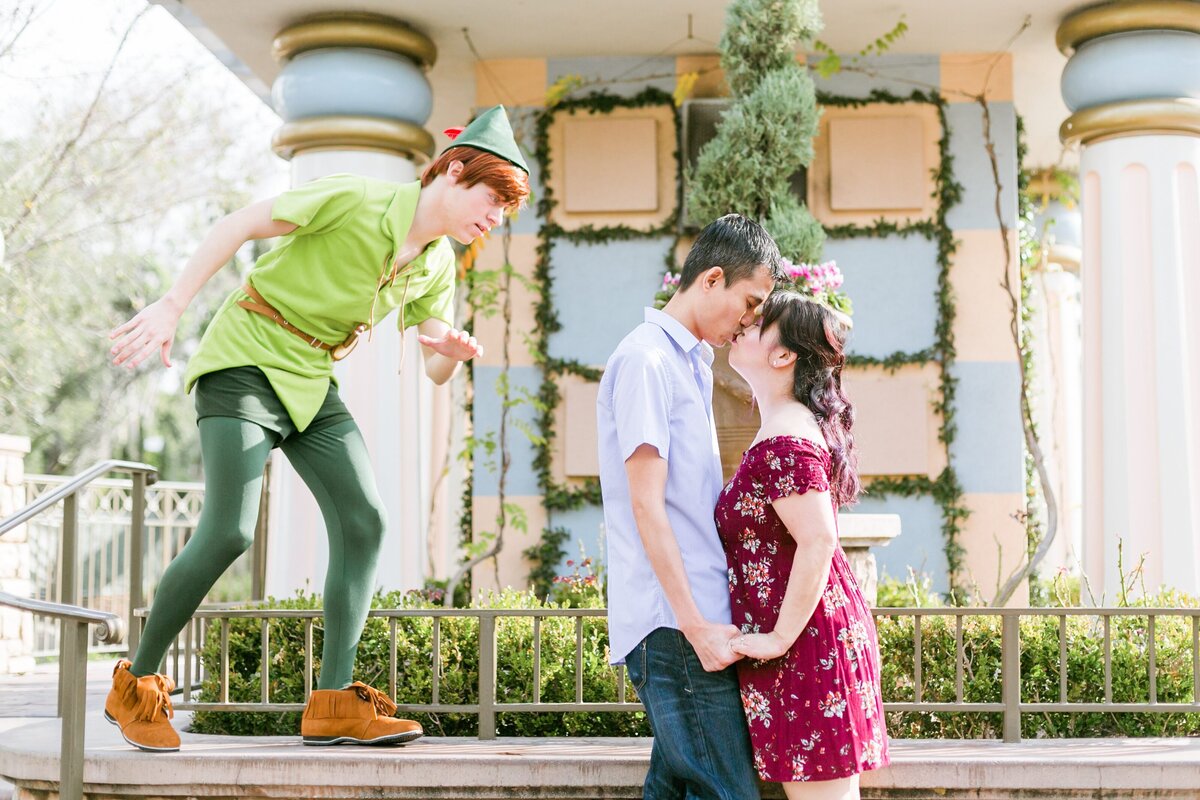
x,y
859,533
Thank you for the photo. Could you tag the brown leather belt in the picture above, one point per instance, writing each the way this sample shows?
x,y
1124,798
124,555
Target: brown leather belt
x,y
258,305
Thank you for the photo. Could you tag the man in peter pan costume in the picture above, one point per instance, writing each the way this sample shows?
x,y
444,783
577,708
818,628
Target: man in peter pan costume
x,y
351,249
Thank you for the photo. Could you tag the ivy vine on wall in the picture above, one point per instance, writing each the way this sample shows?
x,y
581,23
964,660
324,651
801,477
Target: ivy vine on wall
x,y
561,497
945,489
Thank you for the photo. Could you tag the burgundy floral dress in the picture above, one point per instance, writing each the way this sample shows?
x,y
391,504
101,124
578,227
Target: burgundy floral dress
x,y
814,713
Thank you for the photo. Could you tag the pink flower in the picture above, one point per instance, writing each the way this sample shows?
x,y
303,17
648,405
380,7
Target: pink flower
x,y
815,278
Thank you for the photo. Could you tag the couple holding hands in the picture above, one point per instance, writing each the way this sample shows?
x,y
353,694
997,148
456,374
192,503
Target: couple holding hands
x,y
733,606
700,576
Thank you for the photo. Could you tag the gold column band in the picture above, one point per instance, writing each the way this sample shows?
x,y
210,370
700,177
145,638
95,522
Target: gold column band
x,y
354,30
341,133
1127,15
1181,116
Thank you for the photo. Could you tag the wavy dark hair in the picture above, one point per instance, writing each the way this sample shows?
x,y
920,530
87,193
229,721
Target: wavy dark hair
x,y
818,338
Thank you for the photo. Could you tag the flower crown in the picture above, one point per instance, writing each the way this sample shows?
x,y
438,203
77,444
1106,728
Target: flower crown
x,y
818,282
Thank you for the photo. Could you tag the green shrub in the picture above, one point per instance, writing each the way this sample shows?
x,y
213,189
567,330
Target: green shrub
x,y
1039,675
458,669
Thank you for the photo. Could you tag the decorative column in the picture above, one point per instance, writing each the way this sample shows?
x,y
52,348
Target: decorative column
x,y
1133,85
16,627
353,96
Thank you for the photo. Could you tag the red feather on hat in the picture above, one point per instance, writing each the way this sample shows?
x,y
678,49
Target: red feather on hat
x,y
453,132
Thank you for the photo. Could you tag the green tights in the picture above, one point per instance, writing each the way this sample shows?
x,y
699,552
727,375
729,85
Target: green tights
x,y
333,463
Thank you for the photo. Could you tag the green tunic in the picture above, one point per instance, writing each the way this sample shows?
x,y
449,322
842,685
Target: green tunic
x,y
322,277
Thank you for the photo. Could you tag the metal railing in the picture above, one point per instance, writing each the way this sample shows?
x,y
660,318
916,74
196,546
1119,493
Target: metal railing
x,y
1010,704
101,574
186,668
68,495
72,678
189,669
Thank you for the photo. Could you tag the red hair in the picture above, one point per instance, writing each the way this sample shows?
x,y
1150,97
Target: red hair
x,y
503,177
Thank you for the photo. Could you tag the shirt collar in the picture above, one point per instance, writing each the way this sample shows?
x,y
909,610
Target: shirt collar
x,y
681,335
398,219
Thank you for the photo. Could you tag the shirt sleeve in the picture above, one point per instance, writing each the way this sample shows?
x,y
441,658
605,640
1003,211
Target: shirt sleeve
x,y
790,467
438,300
641,402
320,206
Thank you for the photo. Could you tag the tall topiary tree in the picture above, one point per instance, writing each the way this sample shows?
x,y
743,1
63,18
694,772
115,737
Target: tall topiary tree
x,y
766,135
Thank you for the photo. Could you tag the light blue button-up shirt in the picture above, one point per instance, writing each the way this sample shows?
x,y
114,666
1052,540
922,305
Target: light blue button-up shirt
x,y
657,390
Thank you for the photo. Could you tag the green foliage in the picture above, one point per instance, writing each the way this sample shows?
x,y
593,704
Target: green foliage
x,y
555,496
101,203
1129,640
915,591
458,669
545,556
830,62
945,489
762,36
766,135
1029,259
795,230
583,587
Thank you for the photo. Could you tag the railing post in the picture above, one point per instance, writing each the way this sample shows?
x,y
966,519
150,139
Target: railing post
x,y
72,687
1010,675
68,556
137,543
258,563
70,551
487,676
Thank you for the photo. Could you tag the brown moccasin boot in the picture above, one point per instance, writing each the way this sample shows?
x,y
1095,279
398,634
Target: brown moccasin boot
x,y
357,714
141,708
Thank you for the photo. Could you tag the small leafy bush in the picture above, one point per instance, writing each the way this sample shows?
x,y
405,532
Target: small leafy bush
x,y
1040,678
458,667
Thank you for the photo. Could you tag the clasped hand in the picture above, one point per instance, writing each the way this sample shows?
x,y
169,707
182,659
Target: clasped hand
x,y
760,646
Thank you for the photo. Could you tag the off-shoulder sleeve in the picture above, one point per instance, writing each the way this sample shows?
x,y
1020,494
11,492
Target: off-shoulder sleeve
x,y
786,466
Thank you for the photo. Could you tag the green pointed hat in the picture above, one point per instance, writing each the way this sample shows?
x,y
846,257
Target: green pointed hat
x,y
492,133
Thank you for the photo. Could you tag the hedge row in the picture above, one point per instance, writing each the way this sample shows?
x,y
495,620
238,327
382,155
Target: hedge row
x,y
459,670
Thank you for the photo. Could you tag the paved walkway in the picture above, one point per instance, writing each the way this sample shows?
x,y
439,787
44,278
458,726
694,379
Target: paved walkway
x,y
35,694
30,737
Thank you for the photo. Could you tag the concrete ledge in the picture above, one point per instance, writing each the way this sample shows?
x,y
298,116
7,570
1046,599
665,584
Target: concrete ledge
x,y
446,768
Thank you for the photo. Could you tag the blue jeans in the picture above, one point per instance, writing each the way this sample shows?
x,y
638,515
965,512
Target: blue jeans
x,y
701,745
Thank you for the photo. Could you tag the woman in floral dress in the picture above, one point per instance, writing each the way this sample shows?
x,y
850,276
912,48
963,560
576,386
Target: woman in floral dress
x,y
810,672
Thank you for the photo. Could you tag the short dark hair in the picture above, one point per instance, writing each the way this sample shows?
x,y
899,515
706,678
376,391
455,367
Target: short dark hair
x,y
737,245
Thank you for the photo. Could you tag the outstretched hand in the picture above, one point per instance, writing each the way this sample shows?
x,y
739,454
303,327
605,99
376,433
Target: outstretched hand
x,y
152,328
453,344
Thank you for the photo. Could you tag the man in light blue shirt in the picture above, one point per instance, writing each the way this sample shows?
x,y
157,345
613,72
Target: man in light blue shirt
x,y
660,474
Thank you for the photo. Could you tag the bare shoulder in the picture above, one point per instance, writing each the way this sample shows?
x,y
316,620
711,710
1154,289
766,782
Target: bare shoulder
x,y
798,424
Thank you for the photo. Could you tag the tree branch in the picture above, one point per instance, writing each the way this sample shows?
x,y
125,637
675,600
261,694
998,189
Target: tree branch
x,y
32,201
505,455
1006,591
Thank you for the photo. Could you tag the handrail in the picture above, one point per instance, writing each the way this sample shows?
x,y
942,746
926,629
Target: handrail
x,y
73,486
72,678
111,630
143,475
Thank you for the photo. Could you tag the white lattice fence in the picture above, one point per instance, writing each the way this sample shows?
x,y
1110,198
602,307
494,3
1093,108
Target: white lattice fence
x,y
105,506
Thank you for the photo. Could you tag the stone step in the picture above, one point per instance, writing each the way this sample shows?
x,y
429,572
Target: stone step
x,y
452,768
